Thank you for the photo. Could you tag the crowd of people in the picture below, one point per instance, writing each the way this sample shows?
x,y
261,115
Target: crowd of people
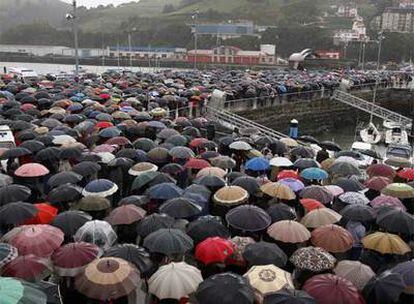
x,y
110,195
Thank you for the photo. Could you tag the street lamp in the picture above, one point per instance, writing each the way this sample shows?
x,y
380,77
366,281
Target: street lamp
x,y
195,17
380,38
73,17
130,46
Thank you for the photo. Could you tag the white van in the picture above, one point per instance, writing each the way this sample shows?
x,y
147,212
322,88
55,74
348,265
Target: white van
x,y
6,137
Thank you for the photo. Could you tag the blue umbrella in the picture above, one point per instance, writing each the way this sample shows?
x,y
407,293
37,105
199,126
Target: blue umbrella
x,y
156,124
109,132
75,107
100,187
292,183
258,164
314,173
164,191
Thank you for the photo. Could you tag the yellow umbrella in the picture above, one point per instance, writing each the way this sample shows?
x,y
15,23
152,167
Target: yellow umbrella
x,y
269,278
327,163
384,243
231,195
289,232
278,190
290,142
212,171
253,153
320,217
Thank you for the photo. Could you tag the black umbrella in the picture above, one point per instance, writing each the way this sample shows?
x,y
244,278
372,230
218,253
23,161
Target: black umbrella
x,y
384,288
46,139
86,168
302,151
248,218
180,208
289,296
373,154
352,154
172,169
14,193
93,203
356,212
121,162
137,200
33,145
52,292
330,145
248,183
168,241
154,222
144,144
16,213
396,221
177,140
226,140
225,288
349,184
309,139
161,178
133,254
70,221
127,153
15,152
205,227
48,154
278,147
264,253
210,181
89,157
64,194
303,163
280,212
65,177
26,135
71,152
199,190
231,176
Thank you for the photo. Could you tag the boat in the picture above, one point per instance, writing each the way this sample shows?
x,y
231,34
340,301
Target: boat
x,y
24,74
396,135
396,155
370,134
361,148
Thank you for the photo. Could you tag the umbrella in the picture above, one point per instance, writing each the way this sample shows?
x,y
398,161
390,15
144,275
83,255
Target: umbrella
x,y
304,163
289,231
70,259
329,288
230,195
70,152
213,250
314,173
107,278
313,259
125,215
93,203
385,200
263,253
289,296
40,240
334,190
248,183
144,144
406,173
269,278
33,145
377,183
237,290
196,163
154,222
172,169
349,184
331,146
381,170
211,171
354,271
65,177
133,254
5,180
302,152
13,291
257,164
280,211
405,269
280,162
288,174
290,142
31,170
27,267
354,198
142,167
7,254
278,190
309,139
100,187
384,288
96,232
320,217
174,281
168,241
210,181
158,155
64,193
15,153
248,218
318,193
16,213
13,193
164,191
399,190
45,214
396,221
180,208
205,227
86,168
177,140
385,243
182,153
224,162
294,184
240,145
360,213
332,238
344,169
70,221
399,162
311,204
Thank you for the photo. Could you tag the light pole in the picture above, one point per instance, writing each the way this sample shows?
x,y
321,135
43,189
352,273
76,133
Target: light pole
x,y
195,17
374,97
380,38
73,17
130,46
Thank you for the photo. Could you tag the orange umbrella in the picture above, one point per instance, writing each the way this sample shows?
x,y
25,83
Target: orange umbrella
x,y
332,238
45,214
310,204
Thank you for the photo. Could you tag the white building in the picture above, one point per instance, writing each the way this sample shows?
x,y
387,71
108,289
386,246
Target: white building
x,y
142,53
357,33
397,19
347,11
48,50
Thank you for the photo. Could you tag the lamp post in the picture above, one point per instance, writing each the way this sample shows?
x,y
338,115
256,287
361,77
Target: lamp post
x,y
130,46
73,17
195,17
380,38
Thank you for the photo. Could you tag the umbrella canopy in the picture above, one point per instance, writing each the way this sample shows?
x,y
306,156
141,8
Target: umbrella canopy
x,y
240,145
100,187
212,171
248,218
399,162
107,278
180,207
65,177
45,214
360,213
377,183
14,291
329,288
320,217
318,193
27,267
197,163
354,271
70,259
133,254
304,163
182,152
154,222
406,173
294,184
399,190
125,215
64,193
269,278
280,162
16,213
334,190
289,296
224,162
93,203
280,212
344,169
205,227
288,174
314,173
332,238
248,183
13,193
86,168
405,269
230,195
385,243
210,181
15,153
7,254
381,170
289,231
311,204
349,184
396,221
164,191
278,190
386,200
257,164
313,259
213,250
263,253
237,290
174,281
354,198
168,241
303,152
96,232
141,168
384,288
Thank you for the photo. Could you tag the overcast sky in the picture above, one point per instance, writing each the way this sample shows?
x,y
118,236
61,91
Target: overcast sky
x,y
91,3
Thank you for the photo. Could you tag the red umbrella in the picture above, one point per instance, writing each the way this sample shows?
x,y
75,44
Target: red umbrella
x,y
198,141
288,174
27,267
378,183
45,214
332,238
125,215
310,204
104,124
118,140
406,173
31,170
381,170
40,240
329,288
69,259
213,250
197,163
27,106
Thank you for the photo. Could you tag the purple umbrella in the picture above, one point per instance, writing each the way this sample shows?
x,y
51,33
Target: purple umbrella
x,y
406,270
385,200
292,183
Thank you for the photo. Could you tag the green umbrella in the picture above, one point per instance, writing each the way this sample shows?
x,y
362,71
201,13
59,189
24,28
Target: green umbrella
x,y
14,291
143,179
399,190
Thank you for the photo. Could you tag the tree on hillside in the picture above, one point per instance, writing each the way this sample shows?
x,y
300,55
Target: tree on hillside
x,y
168,8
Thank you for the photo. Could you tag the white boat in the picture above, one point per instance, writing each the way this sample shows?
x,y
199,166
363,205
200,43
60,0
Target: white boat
x,y
363,159
24,74
390,125
370,134
397,136
398,152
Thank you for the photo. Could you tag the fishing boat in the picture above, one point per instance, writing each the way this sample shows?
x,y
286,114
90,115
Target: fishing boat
x,y
397,136
370,134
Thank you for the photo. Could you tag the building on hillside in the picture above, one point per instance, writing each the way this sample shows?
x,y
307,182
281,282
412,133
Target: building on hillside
x,y
347,11
50,50
329,54
357,33
398,19
404,3
143,53
234,55
225,30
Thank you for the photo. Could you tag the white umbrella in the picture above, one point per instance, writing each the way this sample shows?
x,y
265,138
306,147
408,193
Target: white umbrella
x,y
63,139
106,157
174,281
280,162
96,232
240,145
